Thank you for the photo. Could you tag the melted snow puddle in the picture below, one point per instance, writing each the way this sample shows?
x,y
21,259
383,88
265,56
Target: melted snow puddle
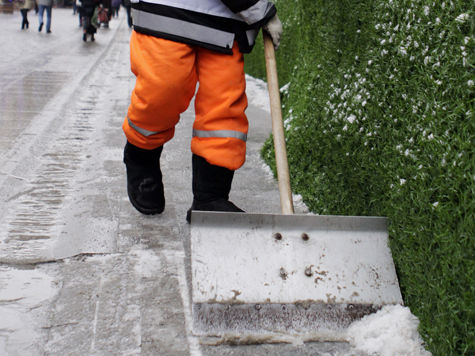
x,y
22,293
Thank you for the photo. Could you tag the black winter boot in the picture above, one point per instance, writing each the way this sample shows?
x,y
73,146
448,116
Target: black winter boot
x,y
211,187
144,179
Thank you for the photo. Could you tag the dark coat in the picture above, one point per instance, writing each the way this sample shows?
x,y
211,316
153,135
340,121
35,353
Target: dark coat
x,y
87,11
88,7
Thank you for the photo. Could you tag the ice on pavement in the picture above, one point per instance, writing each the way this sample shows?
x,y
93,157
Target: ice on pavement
x,y
147,263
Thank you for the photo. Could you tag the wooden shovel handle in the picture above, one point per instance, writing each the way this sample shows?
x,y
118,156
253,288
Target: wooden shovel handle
x,y
283,176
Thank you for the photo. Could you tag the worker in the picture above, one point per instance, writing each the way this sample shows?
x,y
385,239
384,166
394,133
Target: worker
x,y
175,45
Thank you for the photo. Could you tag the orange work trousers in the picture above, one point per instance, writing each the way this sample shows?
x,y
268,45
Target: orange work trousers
x,y
166,76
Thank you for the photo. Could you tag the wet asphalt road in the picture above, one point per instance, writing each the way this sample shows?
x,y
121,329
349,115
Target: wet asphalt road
x,y
82,272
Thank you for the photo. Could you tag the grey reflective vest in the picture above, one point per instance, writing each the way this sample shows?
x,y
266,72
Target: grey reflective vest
x,y
213,24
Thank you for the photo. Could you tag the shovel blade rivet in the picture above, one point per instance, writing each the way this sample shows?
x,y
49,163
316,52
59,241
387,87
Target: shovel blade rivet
x,y
278,236
305,236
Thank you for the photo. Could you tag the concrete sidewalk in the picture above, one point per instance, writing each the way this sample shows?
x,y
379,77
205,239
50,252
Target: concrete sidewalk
x,y
81,271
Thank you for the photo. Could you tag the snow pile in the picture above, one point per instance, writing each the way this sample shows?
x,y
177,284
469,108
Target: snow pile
x,y
392,331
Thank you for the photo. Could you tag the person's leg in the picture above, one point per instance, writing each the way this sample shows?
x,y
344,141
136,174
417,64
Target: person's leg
x,y
23,18
165,83
211,186
85,25
48,19
219,130
41,10
220,127
129,16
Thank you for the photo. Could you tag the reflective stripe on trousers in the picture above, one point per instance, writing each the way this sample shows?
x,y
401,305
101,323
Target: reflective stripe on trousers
x,y
196,133
167,73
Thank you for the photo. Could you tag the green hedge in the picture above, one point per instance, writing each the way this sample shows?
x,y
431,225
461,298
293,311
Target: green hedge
x,y
378,105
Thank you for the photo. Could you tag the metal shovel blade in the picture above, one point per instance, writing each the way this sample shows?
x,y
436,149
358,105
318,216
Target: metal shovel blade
x,y
255,274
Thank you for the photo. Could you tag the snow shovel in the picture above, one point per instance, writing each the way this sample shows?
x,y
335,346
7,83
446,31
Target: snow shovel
x,y
267,278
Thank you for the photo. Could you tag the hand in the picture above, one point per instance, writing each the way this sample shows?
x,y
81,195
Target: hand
x,y
274,29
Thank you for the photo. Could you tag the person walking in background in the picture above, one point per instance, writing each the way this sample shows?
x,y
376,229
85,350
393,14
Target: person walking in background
x,y
89,18
107,6
42,6
78,10
26,6
174,46
115,8
128,8
102,16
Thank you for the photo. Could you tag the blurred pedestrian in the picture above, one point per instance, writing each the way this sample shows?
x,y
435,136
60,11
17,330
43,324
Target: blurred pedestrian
x,y
25,6
42,6
88,11
103,16
115,8
128,8
106,14
78,9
